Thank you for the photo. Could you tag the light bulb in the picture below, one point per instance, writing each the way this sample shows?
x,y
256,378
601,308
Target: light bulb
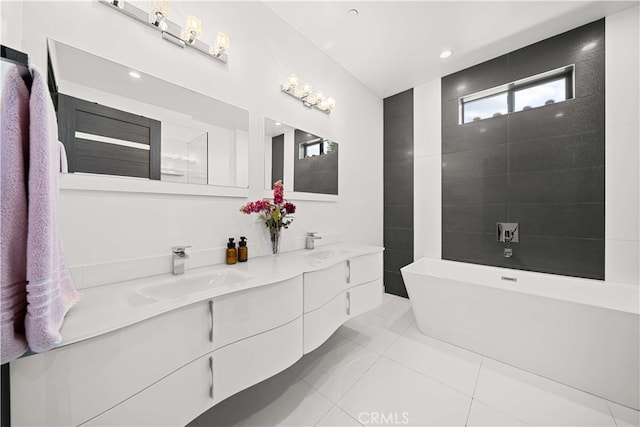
x,y
221,45
331,103
307,89
192,29
159,11
319,96
292,81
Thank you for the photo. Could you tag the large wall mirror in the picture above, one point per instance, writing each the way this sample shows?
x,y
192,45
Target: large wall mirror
x,y
307,163
115,120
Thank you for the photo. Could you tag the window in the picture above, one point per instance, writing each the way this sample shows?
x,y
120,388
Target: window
x,y
532,92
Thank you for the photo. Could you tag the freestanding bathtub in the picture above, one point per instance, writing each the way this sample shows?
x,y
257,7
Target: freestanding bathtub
x,y
580,332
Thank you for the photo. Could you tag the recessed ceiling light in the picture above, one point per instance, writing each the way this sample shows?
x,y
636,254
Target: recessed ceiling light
x,y
446,53
353,12
278,124
134,74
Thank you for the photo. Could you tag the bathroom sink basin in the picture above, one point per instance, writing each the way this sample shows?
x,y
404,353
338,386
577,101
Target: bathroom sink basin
x,y
172,288
326,254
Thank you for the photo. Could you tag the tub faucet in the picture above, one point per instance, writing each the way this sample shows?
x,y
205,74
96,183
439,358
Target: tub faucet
x,y
310,242
178,258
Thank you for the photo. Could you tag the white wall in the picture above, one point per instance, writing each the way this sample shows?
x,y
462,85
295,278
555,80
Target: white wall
x,y
105,227
622,155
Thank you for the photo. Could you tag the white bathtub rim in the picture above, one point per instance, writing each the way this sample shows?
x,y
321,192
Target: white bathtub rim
x,y
615,296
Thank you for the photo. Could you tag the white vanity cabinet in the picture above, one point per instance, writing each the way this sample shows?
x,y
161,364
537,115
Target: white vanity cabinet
x,y
166,364
72,384
335,294
139,372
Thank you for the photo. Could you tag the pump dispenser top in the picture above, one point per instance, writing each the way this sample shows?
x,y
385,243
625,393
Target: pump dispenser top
x,y
243,251
232,253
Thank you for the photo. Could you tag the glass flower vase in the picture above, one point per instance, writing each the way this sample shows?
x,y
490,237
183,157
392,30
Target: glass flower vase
x,y
275,241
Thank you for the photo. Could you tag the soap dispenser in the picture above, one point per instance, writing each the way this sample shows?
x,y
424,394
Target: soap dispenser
x,y
243,251
232,253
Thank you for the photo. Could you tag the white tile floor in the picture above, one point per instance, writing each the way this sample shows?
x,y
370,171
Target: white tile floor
x,y
378,369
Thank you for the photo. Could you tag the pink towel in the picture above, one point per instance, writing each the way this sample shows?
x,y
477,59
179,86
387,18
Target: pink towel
x,y
14,150
50,288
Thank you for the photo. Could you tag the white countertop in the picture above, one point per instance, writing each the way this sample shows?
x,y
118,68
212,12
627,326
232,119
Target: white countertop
x,y
110,307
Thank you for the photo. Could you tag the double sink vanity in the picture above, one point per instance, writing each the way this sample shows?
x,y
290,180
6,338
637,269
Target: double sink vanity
x,y
162,350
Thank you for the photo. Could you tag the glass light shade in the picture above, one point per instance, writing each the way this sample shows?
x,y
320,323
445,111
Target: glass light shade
x,y
193,29
292,81
319,96
312,99
331,103
307,89
161,7
222,43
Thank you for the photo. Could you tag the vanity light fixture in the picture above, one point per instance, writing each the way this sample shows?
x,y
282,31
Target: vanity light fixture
x,y
158,18
306,95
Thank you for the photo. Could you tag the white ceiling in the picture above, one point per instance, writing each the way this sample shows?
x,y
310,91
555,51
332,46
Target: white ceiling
x,y
391,46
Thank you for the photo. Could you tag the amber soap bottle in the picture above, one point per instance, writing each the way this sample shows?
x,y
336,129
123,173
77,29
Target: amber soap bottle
x,y
232,253
243,251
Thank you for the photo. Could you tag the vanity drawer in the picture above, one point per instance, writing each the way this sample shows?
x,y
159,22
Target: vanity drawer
x,y
187,393
366,268
72,384
172,401
244,314
322,285
363,298
247,362
321,323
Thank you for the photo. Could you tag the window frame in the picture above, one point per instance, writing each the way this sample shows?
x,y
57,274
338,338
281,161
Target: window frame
x,y
567,73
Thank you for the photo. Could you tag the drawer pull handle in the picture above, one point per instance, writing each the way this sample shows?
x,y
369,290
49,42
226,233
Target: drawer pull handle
x,y
211,321
348,303
348,271
211,369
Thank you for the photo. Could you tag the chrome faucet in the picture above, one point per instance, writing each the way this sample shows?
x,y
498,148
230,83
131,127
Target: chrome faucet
x,y
310,242
179,257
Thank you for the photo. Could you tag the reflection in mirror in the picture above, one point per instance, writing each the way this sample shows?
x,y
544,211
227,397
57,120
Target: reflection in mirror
x,y
306,162
118,121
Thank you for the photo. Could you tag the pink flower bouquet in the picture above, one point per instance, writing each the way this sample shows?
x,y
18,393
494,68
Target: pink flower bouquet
x,y
276,215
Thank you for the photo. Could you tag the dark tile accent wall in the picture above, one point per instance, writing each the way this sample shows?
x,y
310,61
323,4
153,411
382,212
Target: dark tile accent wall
x,y
318,174
277,158
542,168
398,189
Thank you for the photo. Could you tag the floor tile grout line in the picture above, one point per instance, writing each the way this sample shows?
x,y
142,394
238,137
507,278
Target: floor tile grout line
x,y
466,422
325,414
615,422
475,387
502,411
342,395
426,376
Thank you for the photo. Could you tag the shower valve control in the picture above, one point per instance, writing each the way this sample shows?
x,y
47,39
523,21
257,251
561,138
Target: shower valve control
x,y
507,232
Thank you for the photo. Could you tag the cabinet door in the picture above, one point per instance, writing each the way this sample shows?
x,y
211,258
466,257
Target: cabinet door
x,y
173,401
365,297
245,363
321,323
365,268
244,314
72,384
323,285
